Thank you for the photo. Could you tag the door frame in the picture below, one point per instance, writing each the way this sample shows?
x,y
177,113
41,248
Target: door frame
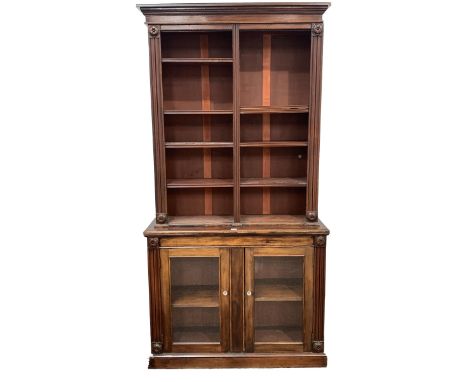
x,y
307,309
224,311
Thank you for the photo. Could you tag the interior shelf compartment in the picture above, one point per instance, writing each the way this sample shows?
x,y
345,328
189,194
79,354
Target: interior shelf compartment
x,y
195,334
194,44
198,128
273,182
193,202
281,201
274,68
191,86
275,334
201,296
279,290
199,183
277,127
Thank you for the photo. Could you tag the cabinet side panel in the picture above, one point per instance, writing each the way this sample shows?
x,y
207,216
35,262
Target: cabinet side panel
x,y
318,300
154,296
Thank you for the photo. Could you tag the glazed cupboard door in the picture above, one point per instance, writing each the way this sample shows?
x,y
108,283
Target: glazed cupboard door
x,y
195,285
278,299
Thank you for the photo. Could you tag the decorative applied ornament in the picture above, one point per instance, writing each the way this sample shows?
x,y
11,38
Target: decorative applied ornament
x,y
317,29
153,30
156,347
317,346
161,218
311,215
153,242
320,241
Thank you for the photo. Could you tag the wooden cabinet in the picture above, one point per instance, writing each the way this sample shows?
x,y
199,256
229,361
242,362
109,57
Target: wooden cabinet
x,y
236,253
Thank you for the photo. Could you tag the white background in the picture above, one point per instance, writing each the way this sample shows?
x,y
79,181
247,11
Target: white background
x,y
77,191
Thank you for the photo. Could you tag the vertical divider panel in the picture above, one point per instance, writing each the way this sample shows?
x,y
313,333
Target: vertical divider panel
x,y
266,95
237,299
159,153
314,120
236,121
249,300
206,106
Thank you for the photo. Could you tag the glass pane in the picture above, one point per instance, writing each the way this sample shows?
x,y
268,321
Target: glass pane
x,y
278,299
195,299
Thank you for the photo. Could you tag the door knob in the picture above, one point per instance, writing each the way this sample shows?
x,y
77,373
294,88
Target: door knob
x,y
225,293
249,293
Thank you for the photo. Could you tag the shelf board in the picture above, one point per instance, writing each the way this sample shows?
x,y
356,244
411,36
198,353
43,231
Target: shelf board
x,y
201,220
274,144
278,290
199,183
194,145
213,60
198,112
272,334
273,219
205,334
273,182
195,296
274,109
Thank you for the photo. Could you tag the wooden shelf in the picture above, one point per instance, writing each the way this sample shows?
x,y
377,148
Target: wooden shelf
x,y
274,109
197,60
199,183
273,182
274,219
279,290
275,334
195,296
274,144
196,112
194,145
202,220
195,334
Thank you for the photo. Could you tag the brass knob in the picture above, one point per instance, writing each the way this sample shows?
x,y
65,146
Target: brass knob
x,y
225,292
249,293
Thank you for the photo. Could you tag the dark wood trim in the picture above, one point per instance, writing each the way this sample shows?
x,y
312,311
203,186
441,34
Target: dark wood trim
x,y
292,26
224,296
236,122
308,297
154,295
318,300
195,27
158,123
166,299
258,360
249,301
314,119
237,299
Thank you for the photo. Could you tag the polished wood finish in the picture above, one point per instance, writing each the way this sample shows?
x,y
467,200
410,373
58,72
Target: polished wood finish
x,y
236,252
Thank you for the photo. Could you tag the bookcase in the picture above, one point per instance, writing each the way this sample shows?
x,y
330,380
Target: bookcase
x,y
236,253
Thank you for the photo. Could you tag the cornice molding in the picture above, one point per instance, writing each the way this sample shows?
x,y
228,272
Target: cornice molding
x,y
233,8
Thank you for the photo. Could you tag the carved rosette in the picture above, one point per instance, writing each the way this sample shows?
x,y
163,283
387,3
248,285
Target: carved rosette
x,y
156,347
317,29
320,241
311,216
161,218
317,346
153,31
153,242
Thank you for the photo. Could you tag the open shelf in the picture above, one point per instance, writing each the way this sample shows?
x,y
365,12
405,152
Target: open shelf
x,y
194,334
274,109
200,220
195,112
196,44
273,219
274,144
275,334
195,145
195,296
278,290
273,182
198,60
198,183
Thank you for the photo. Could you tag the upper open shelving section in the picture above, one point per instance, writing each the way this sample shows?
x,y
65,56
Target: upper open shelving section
x,y
236,105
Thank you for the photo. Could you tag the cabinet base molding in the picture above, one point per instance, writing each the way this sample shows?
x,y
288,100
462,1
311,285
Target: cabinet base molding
x,y
236,360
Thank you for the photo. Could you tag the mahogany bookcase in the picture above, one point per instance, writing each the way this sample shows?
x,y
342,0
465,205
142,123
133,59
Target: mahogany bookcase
x,y
236,253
